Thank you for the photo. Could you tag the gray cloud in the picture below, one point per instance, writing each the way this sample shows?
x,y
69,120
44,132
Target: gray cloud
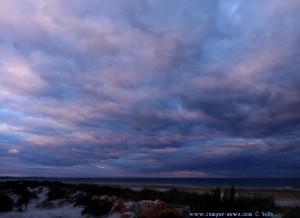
x,y
200,89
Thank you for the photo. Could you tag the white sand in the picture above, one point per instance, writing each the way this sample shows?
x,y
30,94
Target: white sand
x,y
68,210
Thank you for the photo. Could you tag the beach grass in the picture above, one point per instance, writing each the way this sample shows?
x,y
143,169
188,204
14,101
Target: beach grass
x,y
216,199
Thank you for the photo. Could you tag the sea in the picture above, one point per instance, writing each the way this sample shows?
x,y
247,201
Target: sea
x,y
216,182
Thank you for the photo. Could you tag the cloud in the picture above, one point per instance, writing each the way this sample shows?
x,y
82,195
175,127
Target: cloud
x,y
13,151
193,89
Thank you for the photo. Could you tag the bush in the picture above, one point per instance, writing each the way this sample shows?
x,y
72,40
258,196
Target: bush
x,y
82,200
57,191
23,200
6,203
217,200
21,189
292,213
97,208
229,202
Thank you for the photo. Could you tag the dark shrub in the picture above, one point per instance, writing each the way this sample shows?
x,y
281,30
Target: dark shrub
x,y
97,208
23,200
6,203
82,200
171,213
57,191
24,194
21,189
229,202
292,213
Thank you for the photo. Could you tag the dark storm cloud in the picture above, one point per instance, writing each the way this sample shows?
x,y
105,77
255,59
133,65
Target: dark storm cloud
x,y
149,88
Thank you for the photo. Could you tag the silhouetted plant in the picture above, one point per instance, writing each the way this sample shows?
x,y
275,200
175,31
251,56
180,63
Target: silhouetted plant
x,y
59,190
82,200
215,200
6,203
292,213
232,194
97,207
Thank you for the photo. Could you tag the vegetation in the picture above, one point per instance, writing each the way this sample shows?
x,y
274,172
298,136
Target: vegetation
x,y
292,213
217,200
97,208
19,188
58,190
6,203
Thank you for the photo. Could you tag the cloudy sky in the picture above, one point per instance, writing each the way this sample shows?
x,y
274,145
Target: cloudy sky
x,y
150,88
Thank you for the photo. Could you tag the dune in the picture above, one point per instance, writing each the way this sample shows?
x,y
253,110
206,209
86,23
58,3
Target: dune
x,y
58,200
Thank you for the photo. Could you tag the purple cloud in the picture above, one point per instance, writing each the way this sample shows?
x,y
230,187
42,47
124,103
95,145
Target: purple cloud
x,y
149,88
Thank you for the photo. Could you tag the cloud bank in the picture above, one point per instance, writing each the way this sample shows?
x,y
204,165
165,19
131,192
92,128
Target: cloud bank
x,y
150,88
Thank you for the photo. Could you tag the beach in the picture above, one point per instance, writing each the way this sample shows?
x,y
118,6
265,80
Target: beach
x,y
57,210
282,196
57,200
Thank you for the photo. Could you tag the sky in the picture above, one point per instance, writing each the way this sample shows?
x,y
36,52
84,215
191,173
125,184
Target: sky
x,y
150,88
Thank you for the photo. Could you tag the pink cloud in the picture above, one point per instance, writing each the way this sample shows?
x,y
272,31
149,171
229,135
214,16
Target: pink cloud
x,y
189,174
18,77
13,151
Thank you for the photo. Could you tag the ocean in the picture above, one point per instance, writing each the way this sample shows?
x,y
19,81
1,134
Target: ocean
x,y
222,182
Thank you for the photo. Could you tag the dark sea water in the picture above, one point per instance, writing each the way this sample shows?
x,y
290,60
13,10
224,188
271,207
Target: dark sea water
x,y
237,182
